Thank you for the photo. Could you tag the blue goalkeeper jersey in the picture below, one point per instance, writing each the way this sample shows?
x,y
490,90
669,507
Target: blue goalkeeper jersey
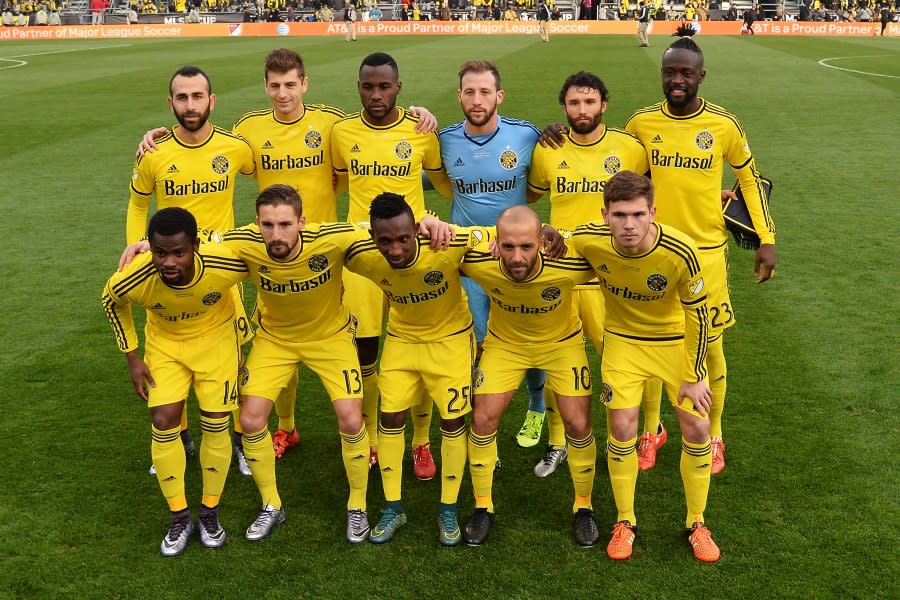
x,y
489,173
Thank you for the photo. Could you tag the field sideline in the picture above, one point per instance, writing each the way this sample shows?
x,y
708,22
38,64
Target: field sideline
x,y
807,506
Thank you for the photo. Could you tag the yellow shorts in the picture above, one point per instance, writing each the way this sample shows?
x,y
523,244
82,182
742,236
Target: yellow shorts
x,y
366,302
441,369
210,362
503,365
591,308
715,275
273,361
626,366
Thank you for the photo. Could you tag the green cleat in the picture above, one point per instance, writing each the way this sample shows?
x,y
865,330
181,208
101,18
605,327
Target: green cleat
x,y
530,434
449,533
391,520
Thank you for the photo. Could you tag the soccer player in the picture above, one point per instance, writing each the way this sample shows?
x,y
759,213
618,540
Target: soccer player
x,y
429,348
532,323
574,175
379,149
656,327
486,157
689,141
195,168
191,336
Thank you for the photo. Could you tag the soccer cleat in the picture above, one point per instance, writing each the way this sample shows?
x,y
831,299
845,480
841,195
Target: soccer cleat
x,y
621,546
283,440
423,463
268,518
212,535
373,458
701,540
357,526
177,538
647,446
152,469
449,533
476,531
585,528
242,465
530,434
718,454
553,457
391,520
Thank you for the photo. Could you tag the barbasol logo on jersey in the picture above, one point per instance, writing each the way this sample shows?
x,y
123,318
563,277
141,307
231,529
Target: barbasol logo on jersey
x,y
377,169
294,287
220,165
564,185
312,139
612,164
269,163
704,140
484,187
523,309
509,159
403,150
194,187
417,297
679,161
627,293
283,29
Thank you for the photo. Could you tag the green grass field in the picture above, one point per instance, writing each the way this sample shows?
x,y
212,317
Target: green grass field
x,y
806,508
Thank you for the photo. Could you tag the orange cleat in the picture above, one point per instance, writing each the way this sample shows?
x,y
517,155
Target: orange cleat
x,y
648,444
423,463
621,546
282,441
373,458
705,548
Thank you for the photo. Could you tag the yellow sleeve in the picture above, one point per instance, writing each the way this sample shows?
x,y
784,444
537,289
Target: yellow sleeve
x,y
692,291
432,159
118,313
441,182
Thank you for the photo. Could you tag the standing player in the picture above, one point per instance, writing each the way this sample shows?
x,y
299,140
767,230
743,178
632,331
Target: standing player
x,y
656,327
532,324
195,168
429,349
486,157
574,176
543,17
689,141
379,150
190,337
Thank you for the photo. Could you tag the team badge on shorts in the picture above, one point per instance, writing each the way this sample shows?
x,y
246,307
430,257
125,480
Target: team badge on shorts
x,y
606,394
211,298
433,278
403,150
243,375
508,159
704,140
477,378
312,139
657,282
220,165
612,165
317,263
550,294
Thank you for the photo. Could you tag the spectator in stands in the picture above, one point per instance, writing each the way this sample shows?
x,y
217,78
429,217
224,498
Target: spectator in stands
x,y
445,11
53,20
690,11
375,13
131,16
193,15
804,10
885,11
587,10
555,14
864,15
97,8
40,17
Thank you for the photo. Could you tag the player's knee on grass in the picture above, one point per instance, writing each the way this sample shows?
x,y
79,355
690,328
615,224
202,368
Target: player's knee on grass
x,y
623,424
255,413
393,420
167,416
453,424
693,428
349,415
